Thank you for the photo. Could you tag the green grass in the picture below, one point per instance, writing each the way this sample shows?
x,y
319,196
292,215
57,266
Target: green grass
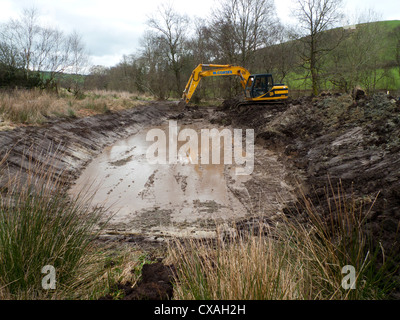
x,y
387,82
391,82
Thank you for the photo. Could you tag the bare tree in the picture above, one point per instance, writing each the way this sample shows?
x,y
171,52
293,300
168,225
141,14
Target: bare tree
x,y
79,57
79,60
34,47
20,34
222,30
315,17
201,44
358,57
241,27
157,66
56,53
52,54
203,50
171,29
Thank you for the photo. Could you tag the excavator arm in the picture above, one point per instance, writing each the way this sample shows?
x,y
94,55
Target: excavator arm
x,y
213,70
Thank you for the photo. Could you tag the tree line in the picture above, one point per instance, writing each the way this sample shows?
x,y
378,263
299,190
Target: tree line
x,y
35,55
318,54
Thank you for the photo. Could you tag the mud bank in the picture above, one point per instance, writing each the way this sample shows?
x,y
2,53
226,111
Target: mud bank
x,y
67,146
337,139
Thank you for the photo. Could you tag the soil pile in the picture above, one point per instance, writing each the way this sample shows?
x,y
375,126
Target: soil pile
x,y
155,284
337,138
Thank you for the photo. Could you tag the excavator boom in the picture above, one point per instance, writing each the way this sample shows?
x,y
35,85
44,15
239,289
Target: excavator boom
x,y
213,70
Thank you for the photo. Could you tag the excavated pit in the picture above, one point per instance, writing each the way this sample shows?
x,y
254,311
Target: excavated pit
x,y
157,201
311,141
105,156
314,143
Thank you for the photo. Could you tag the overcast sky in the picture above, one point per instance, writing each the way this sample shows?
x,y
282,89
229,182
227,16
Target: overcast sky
x,y
112,28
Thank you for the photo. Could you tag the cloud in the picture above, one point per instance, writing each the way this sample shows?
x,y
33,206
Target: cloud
x,y
112,28
108,28
105,34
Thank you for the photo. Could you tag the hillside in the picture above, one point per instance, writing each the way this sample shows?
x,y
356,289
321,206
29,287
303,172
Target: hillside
x,y
365,57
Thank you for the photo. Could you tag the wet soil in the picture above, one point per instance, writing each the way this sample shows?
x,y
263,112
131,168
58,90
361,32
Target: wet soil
x,y
67,146
157,201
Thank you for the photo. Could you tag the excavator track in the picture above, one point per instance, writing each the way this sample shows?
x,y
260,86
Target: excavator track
x,y
240,105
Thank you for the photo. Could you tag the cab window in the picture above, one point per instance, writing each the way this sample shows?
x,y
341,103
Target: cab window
x,y
262,84
249,86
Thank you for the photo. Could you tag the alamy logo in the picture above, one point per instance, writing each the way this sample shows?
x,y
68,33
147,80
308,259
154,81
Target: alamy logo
x,y
349,281
233,152
49,280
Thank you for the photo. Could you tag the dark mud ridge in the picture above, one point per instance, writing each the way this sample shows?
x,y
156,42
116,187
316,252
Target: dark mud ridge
x,y
156,283
67,146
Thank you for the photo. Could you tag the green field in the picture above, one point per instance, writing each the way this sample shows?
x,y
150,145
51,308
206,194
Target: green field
x,y
384,77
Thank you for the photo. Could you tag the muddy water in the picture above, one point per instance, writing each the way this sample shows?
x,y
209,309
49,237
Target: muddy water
x,y
183,199
161,199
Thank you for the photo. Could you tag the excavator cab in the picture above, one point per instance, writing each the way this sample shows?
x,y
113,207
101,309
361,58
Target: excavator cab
x,y
258,85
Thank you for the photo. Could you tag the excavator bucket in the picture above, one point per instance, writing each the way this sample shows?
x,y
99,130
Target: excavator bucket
x,y
181,105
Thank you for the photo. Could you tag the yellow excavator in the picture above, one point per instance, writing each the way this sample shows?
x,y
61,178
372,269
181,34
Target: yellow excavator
x,y
258,88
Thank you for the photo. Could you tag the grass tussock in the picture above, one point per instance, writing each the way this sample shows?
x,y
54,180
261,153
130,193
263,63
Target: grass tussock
x,y
41,225
36,107
296,261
